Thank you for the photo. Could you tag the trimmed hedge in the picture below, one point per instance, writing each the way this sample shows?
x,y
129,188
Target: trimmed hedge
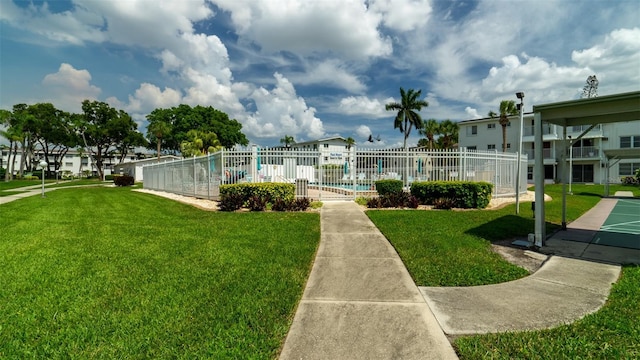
x,y
123,180
459,194
385,187
268,191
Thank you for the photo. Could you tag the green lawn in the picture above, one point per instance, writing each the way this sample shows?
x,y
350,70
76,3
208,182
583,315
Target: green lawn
x,y
110,273
452,248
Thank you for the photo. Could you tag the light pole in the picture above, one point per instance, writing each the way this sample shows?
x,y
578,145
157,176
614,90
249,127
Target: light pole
x,y
42,166
519,95
570,164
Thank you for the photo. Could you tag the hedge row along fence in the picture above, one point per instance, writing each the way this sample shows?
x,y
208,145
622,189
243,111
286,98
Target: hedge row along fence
x,y
458,194
257,196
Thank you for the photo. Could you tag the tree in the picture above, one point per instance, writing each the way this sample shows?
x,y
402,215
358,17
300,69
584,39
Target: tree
x,y
449,134
407,115
158,128
287,141
183,118
102,128
507,108
429,130
200,143
350,142
591,87
53,131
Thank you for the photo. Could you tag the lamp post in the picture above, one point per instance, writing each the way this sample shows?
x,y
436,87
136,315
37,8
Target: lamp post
x,y
570,164
42,166
519,95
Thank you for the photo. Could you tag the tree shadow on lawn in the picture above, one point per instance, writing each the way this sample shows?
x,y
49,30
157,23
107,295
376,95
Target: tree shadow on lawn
x,y
507,227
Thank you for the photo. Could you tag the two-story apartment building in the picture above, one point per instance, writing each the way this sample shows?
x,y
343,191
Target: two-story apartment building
x,y
586,159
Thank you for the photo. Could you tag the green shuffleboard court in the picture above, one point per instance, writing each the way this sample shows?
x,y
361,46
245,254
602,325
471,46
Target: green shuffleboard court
x,y
622,227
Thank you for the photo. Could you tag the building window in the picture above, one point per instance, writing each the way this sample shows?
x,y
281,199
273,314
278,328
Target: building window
x,y
509,124
326,158
491,126
472,147
630,141
508,145
472,130
326,146
315,146
68,156
628,169
491,147
69,164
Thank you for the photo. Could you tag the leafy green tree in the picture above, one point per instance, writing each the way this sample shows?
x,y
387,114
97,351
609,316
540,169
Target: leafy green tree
x,y
53,132
184,118
429,130
507,108
407,112
287,141
200,143
102,129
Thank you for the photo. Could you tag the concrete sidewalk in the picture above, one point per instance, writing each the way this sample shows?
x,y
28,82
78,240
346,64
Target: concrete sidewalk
x,y
360,301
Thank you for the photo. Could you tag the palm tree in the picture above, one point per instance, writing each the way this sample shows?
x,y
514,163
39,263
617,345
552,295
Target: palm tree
x,y
287,141
200,143
159,129
350,142
449,131
429,129
507,108
407,115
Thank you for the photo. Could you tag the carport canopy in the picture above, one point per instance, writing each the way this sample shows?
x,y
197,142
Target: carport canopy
x,y
592,111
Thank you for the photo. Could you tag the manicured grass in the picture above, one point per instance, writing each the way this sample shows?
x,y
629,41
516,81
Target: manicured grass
x,y
611,333
110,273
14,184
452,248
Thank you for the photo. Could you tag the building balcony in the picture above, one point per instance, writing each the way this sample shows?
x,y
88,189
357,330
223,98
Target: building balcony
x,y
546,153
585,152
547,129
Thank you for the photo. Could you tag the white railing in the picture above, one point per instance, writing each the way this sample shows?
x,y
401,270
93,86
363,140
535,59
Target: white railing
x,y
331,175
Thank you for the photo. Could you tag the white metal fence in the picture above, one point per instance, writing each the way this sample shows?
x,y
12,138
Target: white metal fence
x,y
333,175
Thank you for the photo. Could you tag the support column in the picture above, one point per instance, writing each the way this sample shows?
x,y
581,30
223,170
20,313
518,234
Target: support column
x,y
539,181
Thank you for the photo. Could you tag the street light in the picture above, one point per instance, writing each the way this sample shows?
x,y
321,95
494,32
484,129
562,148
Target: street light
x,y
570,164
42,166
519,95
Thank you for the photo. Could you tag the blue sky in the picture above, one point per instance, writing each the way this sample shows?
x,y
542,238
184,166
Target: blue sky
x,y
314,69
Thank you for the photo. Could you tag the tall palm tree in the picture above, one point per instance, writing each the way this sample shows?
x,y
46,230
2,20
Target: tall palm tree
x,y
159,129
407,109
429,130
287,141
507,108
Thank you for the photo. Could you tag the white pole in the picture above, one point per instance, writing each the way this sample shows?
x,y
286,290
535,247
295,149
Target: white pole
x,y
570,164
519,155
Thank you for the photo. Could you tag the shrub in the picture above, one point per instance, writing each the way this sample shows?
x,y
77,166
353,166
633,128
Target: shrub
x,y
110,177
231,202
394,200
123,180
270,191
629,180
280,205
374,203
385,187
257,203
444,203
463,194
300,204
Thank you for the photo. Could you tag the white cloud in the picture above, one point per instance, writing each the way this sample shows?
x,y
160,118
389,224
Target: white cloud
x,y
403,15
343,27
68,87
363,131
473,113
362,105
330,72
149,96
280,111
616,60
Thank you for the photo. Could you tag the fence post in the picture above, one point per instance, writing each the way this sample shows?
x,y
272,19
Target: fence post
x,y
195,184
495,179
354,170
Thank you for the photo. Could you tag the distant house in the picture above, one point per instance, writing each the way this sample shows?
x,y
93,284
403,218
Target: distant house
x,y
333,149
134,168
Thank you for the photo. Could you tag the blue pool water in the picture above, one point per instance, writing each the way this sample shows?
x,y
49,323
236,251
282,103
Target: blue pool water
x,y
359,187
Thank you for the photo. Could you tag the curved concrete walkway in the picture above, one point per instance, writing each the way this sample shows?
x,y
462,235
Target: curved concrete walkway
x,y
562,291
